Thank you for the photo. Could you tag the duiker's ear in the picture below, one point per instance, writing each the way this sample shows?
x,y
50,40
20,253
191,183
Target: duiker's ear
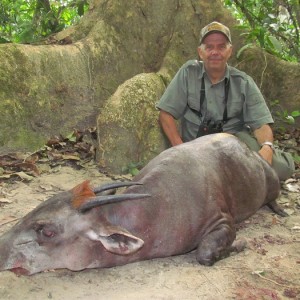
x,y
116,240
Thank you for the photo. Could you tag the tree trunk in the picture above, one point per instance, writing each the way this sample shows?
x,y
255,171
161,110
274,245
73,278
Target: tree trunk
x,y
50,89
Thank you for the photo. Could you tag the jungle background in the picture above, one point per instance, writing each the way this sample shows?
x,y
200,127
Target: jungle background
x,y
96,69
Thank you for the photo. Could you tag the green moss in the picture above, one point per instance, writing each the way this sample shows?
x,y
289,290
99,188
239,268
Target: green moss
x,y
13,135
27,140
128,126
135,107
12,70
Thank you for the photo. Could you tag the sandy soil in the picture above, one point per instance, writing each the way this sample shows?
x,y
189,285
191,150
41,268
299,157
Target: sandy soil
x,y
268,269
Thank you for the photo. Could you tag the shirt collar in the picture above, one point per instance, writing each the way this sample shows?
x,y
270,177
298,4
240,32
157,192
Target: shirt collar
x,y
203,71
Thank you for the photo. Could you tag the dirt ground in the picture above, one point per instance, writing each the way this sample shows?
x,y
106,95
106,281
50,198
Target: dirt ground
x,y
268,269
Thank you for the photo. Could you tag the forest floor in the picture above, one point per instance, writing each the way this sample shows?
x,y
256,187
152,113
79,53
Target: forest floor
x,y
268,269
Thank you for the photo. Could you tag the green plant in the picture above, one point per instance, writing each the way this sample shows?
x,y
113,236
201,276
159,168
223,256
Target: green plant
x,y
282,116
271,24
132,168
296,158
27,21
72,137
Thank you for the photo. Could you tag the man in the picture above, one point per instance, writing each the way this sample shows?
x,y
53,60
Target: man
x,y
209,96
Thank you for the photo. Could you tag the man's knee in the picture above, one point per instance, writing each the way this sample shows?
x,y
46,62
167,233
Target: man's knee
x,y
249,140
282,162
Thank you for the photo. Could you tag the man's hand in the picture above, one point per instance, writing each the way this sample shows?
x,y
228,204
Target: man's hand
x,y
265,134
169,127
266,152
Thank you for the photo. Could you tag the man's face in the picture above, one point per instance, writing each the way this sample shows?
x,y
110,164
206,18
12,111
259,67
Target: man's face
x,y
215,52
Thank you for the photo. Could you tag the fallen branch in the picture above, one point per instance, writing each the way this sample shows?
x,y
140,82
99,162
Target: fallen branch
x,y
275,282
10,221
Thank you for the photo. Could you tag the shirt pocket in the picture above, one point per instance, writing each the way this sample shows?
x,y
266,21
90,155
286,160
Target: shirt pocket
x,y
192,111
235,107
193,102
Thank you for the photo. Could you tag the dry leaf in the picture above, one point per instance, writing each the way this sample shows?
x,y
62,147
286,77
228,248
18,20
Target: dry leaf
x,y
4,200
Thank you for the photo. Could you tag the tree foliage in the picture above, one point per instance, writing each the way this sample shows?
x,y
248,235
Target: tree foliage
x,y
272,24
27,21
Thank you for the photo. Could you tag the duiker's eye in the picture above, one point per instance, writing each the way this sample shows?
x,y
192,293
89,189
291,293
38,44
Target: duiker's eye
x,y
45,230
47,233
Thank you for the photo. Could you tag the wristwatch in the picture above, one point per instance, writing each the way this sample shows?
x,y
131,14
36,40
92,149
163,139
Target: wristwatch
x,y
268,144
